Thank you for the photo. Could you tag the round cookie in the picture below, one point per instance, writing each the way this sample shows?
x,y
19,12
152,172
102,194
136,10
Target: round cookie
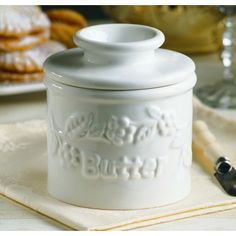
x,y
63,33
64,25
30,60
18,21
67,16
24,43
20,77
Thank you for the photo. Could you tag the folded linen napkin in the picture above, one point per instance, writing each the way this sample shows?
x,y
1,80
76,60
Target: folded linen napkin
x,y
23,178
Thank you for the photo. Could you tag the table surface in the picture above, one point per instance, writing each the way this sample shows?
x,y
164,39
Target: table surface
x,y
14,216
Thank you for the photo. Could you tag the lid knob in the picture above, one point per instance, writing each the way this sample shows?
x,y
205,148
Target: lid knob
x,y
118,42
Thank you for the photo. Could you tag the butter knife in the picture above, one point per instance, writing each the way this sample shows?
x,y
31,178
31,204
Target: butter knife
x,y
210,154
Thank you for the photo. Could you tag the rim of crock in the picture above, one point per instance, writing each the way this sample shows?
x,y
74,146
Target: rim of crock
x,y
123,95
88,37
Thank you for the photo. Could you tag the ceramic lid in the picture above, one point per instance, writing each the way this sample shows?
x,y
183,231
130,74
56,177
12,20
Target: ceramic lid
x,y
119,57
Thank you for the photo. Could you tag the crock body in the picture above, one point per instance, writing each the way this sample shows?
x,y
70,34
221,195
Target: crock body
x,y
119,149
119,121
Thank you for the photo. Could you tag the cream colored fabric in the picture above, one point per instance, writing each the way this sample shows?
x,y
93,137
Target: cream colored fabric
x,y
23,177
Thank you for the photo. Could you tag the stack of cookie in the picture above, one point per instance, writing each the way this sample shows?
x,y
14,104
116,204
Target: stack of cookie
x,y
24,43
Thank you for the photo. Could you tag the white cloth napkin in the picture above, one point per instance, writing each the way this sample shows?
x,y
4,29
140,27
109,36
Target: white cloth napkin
x,y
23,178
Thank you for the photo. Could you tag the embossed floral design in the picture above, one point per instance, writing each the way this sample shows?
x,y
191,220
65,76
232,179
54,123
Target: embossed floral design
x,y
56,140
70,155
144,132
78,125
120,130
183,144
165,120
154,112
166,124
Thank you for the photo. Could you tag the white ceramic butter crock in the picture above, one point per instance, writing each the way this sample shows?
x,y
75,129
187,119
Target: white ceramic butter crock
x,y
120,119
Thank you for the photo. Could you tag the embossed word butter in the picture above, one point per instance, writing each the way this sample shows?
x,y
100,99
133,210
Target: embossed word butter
x,y
93,166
